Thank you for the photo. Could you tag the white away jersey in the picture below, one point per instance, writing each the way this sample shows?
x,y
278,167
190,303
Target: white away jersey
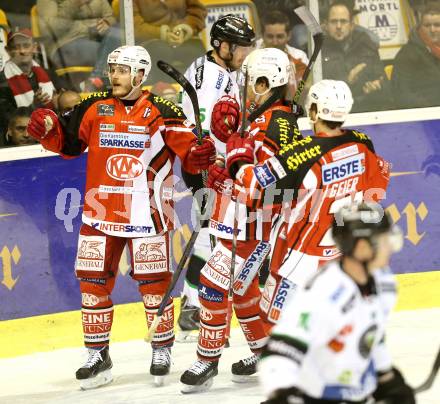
x,y
211,82
329,341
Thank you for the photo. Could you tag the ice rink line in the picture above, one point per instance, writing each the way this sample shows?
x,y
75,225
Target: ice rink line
x,y
48,378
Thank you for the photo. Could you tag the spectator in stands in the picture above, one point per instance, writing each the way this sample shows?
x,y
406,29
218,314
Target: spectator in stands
x,y
300,35
4,29
16,134
74,29
23,82
416,73
169,30
276,34
352,56
67,100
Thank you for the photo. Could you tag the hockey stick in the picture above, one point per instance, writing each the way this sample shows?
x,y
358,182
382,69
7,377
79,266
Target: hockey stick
x,y
189,89
244,124
318,38
186,85
192,94
430,380
180,266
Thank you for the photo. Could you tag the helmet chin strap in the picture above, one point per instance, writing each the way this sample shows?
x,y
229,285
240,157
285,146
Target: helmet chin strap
x,y
129,96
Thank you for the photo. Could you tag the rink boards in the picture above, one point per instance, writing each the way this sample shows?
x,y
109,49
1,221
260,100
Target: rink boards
x,y
37,249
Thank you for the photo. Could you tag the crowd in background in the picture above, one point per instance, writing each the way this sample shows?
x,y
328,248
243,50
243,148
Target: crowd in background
x,y
53,50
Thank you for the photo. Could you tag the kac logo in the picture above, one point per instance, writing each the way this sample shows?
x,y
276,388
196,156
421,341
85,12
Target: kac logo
x,y
124,167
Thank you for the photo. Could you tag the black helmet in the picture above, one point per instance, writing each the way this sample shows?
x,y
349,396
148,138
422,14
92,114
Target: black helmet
x,y
232,29
359,221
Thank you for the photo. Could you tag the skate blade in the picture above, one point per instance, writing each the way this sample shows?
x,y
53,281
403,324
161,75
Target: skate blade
x,y
244,378
99,380
185,337
159,381
188,389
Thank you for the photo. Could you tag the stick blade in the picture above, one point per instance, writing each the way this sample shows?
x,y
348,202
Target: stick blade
x,y
152,329
428,383
307,17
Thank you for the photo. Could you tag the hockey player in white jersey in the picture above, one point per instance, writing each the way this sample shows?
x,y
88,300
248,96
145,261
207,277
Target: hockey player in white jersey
x,y
329,344
214,76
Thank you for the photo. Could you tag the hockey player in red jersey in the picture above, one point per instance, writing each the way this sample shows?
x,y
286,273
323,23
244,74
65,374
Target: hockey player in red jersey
x,y
132,137
314,176
268,70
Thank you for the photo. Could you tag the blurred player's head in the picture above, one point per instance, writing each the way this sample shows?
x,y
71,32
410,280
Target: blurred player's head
x,y
21,48
17,134
339,22
233,39
328,103
364,232
276,30
430,22
128,68
267,69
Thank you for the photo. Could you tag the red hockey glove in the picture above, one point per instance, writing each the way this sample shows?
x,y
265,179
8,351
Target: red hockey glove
x,y
224,118
201,156
219,179
239,150
42,123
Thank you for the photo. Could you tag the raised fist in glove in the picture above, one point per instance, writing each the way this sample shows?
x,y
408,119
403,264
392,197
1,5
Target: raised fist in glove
x,y
219,179
224,118
42,123
239,150
201,156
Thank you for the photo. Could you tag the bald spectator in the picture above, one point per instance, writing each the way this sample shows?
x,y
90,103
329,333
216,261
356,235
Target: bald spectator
x,y
416,73
23,82
276,34
165,90
16,134
67,100
350,55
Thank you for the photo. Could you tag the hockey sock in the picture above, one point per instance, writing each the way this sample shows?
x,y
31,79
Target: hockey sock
x,y
97,315
152,293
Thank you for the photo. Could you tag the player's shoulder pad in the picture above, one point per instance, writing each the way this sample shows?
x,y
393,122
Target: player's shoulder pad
x,y
282,127
166,108
91,98
79,110
361,137
332,288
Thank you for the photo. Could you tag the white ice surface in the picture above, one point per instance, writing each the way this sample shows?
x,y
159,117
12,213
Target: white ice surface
x,y
413,338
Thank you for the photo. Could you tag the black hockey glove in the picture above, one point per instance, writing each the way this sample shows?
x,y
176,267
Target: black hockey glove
x,y
394,391
298,110
286,396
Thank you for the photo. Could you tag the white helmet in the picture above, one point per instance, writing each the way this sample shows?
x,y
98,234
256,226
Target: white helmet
x,y
333,100
136,57
271,63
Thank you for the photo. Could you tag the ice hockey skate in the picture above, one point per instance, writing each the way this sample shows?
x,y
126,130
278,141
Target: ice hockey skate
x,y
96,371
243,370
160,365
188,321
199,377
